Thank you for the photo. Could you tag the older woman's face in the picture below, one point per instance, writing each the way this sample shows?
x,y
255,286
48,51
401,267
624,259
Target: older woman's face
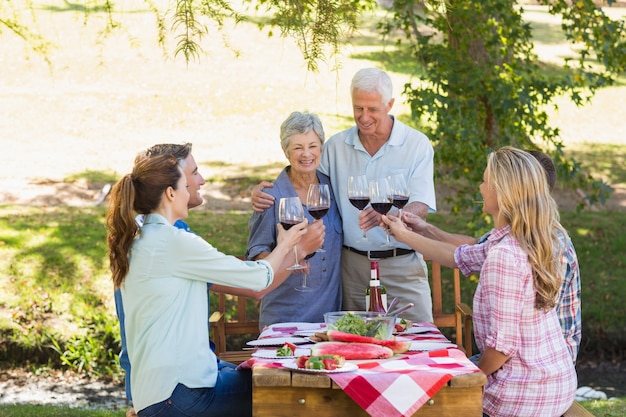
x,y
304,152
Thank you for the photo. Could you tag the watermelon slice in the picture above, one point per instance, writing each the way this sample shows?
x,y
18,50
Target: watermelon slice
x,y
337,336
352,350
288,349
395,345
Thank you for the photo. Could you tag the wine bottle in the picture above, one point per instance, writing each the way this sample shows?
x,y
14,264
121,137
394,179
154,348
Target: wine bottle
x,y
383,296
374,293
383,291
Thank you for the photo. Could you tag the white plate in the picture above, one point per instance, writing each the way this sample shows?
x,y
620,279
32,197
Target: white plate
x,y
347,367
294,326
277,341
271,353
418,346
416,330
306,333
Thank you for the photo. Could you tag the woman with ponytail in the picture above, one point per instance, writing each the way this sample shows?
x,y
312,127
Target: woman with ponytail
x,y
162,272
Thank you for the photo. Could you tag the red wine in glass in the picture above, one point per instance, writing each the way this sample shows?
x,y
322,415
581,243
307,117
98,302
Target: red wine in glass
x,y
400,201
318,203
359,202
358,194
400,191
289,224
381,200
290,213
318,212
382,207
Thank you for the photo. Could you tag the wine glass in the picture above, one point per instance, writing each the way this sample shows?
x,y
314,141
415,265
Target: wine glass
x,y
381,199
304,286
358,194
290,213
318,202
399,190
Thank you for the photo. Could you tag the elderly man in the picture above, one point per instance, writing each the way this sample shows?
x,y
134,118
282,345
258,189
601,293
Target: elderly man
x,y
377,146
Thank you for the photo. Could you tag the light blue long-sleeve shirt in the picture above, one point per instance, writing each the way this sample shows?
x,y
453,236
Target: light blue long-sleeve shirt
x,y
166,307
119,310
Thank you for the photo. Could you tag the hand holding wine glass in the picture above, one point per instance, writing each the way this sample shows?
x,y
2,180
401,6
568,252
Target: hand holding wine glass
x,y
358,193
318,202
290,213
381,199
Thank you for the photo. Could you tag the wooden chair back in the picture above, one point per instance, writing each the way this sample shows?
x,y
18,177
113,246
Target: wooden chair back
x,y
222,326
460,319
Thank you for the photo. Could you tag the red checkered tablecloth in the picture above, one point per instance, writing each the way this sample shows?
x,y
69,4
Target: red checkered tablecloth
x,y
398,386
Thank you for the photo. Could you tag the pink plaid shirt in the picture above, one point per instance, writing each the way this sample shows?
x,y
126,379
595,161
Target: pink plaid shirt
x,y
539,378
470,261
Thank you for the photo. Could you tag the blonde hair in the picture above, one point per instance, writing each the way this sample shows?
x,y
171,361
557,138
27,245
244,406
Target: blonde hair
x,y
526,204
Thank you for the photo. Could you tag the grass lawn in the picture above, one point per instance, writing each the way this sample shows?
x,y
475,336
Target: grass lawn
x,y
50,411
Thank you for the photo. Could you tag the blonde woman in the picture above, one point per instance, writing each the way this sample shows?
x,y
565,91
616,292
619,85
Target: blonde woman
x,y
527,362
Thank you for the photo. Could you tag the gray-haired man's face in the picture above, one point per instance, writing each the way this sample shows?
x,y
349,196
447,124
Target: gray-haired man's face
x,y
195,181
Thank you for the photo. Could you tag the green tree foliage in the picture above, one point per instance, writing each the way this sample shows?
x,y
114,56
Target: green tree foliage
x,y
316,24
189,24
481,85
12,20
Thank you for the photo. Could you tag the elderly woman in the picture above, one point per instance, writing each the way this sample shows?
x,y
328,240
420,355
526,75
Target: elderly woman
x,y
301,137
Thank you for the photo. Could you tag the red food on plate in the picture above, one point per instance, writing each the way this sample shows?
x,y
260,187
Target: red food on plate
x,y
320,362
403,325
330,364
301,361
352,350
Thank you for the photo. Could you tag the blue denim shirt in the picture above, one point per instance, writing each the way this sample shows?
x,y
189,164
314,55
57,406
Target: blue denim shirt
x,y
285,304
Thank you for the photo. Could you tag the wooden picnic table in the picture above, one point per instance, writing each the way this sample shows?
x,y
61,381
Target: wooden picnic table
x,y
284,393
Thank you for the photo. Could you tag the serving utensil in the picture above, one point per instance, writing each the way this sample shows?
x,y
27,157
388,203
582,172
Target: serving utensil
x,y
400,310
393,303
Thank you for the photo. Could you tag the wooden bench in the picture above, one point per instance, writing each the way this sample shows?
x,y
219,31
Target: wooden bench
x,y
577,410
